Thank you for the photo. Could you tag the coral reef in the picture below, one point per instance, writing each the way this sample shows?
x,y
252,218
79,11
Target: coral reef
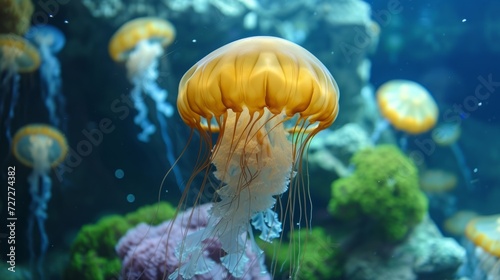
x,y
332,150
352,36
147,253
16,16
383,191
93,255
425,254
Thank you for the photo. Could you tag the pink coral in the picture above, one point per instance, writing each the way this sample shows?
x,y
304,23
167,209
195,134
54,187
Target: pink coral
x,y
147,253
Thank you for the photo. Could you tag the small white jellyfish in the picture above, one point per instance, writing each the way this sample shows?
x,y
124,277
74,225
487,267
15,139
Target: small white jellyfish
x,y
49,41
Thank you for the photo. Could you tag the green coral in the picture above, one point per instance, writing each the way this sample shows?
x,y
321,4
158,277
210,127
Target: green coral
x,y
383,190
319,256
93,255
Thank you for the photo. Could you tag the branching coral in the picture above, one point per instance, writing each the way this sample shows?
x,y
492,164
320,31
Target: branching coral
x,y
148,253
106,8
383,190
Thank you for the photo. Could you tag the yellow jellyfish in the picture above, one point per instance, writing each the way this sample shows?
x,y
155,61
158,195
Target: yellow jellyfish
x,y
437,181
266,98
16,16
17,55
456,223
40,147
484,232
131,33
446,134
406,105
140,44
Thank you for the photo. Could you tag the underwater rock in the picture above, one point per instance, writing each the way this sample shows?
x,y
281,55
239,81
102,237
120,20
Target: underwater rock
x,y
332,150
351,36
424,254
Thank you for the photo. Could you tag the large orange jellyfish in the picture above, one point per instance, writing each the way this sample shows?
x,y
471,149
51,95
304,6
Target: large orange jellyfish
x,y
266,98
40,147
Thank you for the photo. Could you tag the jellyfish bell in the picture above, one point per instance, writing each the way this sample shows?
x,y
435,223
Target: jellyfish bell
x,y
17,55
126,38
39,146
48,36
408,106
436,181
484,233
266,98
446,134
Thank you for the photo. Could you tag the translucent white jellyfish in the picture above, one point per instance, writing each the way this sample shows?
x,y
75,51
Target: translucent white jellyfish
x,y
266,98
40,147
140,43
16,56
49,40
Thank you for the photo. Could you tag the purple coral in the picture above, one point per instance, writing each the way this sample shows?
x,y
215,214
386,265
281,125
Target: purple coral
x,y
149,252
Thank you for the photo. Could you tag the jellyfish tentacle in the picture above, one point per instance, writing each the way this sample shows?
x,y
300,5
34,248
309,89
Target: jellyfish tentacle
x,y
50,40
13,102
380,127
447,135
141,119
40,196
168,146
462,164
230,215
50,70
33,182
144,79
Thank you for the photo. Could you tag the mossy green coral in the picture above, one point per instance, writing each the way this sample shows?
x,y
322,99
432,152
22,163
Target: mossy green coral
x,y
319,256
93,255
383,190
